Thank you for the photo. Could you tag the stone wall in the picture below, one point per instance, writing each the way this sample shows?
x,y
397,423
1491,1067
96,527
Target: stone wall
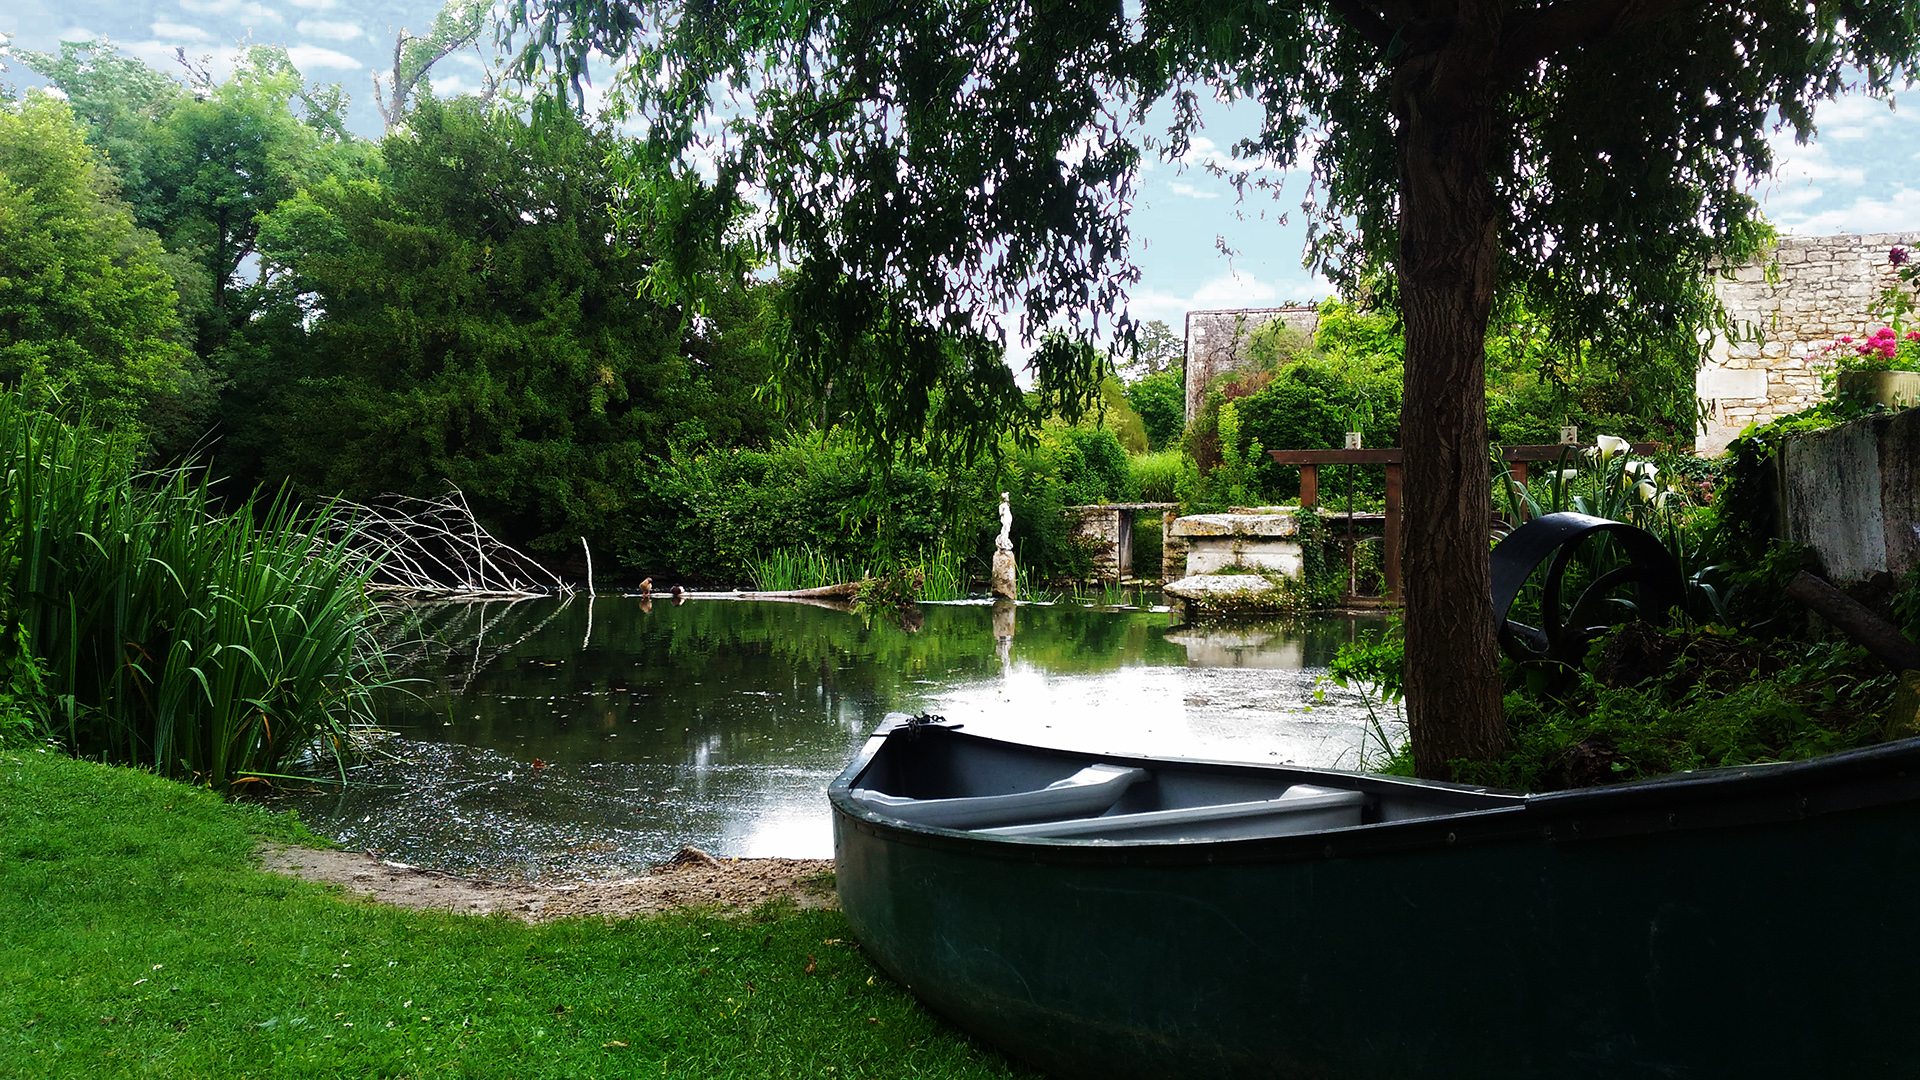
x,y
1217,341
1786,308
1853,493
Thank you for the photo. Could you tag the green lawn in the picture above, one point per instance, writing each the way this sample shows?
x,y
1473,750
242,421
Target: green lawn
x,y
137,938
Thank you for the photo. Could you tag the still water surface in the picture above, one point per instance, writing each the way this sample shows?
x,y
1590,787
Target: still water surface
x,y
593,737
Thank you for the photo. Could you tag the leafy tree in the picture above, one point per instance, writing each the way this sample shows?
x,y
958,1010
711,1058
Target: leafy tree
x,y
1157,349
86,312
476,315
1161,401
968,155
201,165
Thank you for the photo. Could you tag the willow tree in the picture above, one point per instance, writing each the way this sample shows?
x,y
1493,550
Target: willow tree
x,y
934,160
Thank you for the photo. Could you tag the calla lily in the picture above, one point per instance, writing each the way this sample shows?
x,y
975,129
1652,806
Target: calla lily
x,y
1645,470
1645,490
1566,476
1609,445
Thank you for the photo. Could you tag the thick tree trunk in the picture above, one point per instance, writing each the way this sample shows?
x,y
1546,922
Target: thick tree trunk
x,y
1449,249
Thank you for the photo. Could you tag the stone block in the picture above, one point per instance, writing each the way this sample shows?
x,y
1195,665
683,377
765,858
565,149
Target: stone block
x,y
1232,594
1721,382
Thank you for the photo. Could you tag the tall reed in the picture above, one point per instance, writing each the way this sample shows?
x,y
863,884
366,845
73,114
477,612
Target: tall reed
x,y
943,573
214,647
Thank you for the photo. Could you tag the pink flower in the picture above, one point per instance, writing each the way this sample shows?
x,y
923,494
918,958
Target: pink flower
x,y
1898,256
1913,335
1846,339
1884,332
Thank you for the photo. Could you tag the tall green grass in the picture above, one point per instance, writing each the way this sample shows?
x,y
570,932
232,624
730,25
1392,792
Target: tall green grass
x,y
802,568
943,573
1157,475
206,646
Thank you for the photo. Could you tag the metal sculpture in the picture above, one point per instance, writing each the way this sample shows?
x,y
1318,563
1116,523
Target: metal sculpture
x,y
1566,630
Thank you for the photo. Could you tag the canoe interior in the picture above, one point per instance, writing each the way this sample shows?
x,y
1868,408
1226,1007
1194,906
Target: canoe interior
x,y
943,778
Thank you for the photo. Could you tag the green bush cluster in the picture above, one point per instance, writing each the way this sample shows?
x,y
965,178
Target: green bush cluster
x,y
714,514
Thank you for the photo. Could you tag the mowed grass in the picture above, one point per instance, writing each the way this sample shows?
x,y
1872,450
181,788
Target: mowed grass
x,y
137,938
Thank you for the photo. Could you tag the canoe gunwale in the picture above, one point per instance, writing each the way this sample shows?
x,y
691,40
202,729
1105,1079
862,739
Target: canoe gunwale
x,y
1722,798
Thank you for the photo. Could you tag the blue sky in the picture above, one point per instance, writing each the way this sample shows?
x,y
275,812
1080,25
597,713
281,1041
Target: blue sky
x,y
1857,175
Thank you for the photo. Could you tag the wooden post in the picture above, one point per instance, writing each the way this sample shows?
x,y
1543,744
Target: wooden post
x,y
1390,557
1309,485
1519,470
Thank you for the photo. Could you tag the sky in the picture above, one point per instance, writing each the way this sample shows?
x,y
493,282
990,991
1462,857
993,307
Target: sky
x,y
1860,174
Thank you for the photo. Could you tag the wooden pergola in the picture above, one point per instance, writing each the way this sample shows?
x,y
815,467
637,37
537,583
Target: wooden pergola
x,y
1517,458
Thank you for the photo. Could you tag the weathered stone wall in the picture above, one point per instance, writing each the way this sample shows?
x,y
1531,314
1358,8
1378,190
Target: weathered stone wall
x,y
1217,341
1100,528
1786,308
1853,493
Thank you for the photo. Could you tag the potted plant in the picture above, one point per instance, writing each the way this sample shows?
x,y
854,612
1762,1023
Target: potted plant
x,y
1883,368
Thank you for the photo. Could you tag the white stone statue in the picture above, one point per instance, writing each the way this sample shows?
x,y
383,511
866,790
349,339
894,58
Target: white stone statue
x,y
1005,542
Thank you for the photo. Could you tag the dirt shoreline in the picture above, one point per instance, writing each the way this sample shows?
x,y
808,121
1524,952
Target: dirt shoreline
x,y
691,879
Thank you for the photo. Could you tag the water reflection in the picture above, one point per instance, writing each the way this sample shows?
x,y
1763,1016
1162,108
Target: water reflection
x,y
596,736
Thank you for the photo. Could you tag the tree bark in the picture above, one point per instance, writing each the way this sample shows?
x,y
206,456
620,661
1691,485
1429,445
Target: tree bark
x,y
1443,98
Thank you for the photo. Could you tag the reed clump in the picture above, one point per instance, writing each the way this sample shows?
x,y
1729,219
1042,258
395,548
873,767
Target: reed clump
x,y
209,646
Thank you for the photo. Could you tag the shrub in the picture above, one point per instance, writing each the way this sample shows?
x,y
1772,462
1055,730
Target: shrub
x,y
1156,477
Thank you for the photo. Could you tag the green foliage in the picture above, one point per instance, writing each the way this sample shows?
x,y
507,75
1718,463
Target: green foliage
x,y
1235,480
716,514
1652,703
87,314
145,940
1161,402
201,166
1323,573
1157,476
712,514
1118,416
216,647
473,318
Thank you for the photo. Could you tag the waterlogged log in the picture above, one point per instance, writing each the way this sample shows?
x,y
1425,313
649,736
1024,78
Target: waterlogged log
x,y
846,590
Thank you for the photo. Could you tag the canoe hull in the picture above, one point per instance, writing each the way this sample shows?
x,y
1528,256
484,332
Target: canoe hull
x,y
1771,948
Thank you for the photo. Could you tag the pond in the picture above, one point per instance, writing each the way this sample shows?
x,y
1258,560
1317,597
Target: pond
x,y
592,737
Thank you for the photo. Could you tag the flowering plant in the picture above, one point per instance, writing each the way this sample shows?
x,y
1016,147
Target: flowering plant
x,y
1886,349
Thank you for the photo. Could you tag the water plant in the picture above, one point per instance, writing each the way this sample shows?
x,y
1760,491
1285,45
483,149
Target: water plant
x,y
203,645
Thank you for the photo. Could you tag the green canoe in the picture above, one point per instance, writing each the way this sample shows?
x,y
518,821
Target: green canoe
x,y
1110,916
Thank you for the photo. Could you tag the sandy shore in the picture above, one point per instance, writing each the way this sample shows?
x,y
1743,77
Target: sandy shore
x,y
690,879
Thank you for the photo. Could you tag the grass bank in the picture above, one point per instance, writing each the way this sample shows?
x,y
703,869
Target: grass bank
x,y
138,939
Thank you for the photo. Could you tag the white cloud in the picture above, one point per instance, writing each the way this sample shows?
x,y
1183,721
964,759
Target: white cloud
x,y
1894,211
165,56
251,9
1229,290
329,29
179,31
1854,116
312,58
315,5
1188,191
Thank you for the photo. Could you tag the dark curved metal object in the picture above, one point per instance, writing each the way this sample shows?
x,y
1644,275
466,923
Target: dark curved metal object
x,y
1554,539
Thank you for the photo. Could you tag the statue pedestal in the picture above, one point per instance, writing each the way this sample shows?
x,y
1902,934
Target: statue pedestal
x,y
1003,583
